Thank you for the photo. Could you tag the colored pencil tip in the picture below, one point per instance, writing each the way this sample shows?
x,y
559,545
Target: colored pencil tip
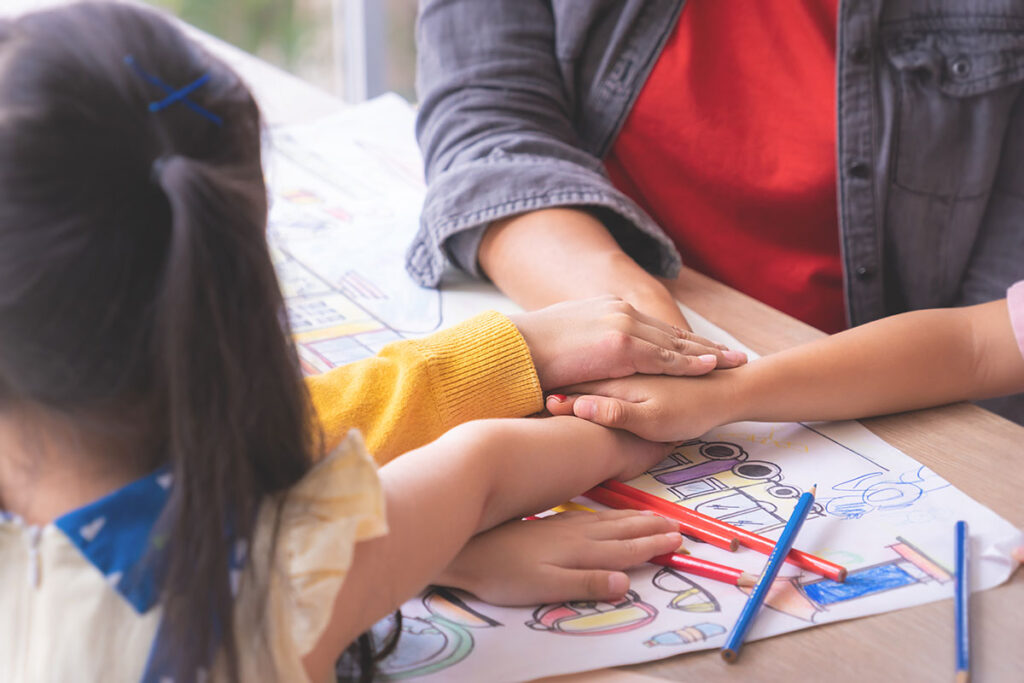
x,y
963,676
731,656
814,490
746,580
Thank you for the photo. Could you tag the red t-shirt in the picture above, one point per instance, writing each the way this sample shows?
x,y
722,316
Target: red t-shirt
x,y
730,147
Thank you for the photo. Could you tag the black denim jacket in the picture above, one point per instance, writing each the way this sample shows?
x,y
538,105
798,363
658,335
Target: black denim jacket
x,y
521,99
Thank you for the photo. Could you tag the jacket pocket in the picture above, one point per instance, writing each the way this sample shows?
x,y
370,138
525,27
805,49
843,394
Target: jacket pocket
x,y
955,83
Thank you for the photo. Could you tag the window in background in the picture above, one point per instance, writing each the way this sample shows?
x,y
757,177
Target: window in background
x,y
353,48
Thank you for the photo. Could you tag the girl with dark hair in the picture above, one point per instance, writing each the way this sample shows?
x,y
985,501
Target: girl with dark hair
x,y
173,504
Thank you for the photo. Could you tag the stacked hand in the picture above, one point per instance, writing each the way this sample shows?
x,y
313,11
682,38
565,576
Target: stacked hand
x,y
606,337
664,409
570,556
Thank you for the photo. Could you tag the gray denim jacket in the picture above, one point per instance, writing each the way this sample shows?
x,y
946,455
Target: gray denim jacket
x,y
521,99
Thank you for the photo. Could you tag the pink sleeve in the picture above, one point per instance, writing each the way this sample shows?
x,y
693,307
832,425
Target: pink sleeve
x,y
1015,304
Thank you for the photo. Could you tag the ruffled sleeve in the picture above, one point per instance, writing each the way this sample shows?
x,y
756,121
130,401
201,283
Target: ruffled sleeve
x,y
337,504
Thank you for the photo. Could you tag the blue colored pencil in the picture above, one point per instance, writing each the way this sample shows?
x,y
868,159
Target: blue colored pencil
x,y
963,593
731,651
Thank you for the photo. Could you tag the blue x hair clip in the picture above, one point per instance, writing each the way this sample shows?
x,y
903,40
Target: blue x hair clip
x,y
174,95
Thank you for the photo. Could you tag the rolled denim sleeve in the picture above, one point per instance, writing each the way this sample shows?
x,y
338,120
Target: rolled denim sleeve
x,y
495,126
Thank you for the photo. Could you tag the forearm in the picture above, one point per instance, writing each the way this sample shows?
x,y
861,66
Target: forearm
x,y
415,390
471,479
553,255
905,362
539,463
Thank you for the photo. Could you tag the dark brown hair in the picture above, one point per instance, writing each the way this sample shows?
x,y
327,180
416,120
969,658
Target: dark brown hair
x,y
136,284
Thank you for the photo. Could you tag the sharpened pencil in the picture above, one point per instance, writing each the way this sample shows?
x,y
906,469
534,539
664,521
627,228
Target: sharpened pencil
x,y
748,539
731,651
705,568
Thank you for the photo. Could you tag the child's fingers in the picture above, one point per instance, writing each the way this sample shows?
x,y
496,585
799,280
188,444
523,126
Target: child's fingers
x,y
571,516
606,411
635,525
650,350
727,358
561,585
596,516
676,331
612,514
611,412
687,359
559,404
687,342
627,552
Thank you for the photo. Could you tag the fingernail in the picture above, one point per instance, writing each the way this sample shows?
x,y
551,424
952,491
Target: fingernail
x,y
734,356
647,512
707,358
618,584
585,408
558,397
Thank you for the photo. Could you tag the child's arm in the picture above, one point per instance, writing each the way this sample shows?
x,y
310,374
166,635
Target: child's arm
x,y
908,361
414,390
472,478
493,366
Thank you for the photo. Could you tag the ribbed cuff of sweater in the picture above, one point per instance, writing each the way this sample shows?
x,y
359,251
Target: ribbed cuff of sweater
x,y
482,368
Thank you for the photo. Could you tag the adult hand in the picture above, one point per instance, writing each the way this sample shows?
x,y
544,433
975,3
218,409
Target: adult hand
x,y
664,409
570,556
606,337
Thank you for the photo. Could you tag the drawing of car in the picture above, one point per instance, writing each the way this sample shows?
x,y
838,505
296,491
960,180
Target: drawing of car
x,y
719,479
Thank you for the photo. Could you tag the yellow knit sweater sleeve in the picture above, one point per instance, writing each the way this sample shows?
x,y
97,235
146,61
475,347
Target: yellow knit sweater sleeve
x,y
415,390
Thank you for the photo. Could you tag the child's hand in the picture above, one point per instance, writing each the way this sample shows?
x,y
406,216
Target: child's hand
x,y
664,409
570,556
604,337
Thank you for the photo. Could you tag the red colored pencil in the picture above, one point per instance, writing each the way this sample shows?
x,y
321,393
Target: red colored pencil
x,y
746,538
709,570
686,526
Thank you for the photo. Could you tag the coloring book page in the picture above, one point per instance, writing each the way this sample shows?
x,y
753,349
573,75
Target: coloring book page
x,y
345,197
346,193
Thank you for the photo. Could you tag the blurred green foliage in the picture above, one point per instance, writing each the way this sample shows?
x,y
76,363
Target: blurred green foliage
x,y
272,29
297,35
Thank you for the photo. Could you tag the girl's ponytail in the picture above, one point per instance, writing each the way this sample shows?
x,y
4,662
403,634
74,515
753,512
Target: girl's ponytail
x,y
237,415
138,298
